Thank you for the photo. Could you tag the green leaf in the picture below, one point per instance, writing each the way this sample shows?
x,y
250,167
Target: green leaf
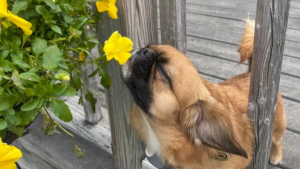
x,y
89,97
76,81
18,6
23,65
30,76
10,111
27,116
69,92
105,80
56,29
16,42
3,133
42,10
59,89
13,119
93,74
16,80
40,90
8,66
67,17
41,102
3,124
61,110
4,54
4,47
14,129
29,92
7,101
50,3
30,105
93,41
80,22
51,57
39,45
16,56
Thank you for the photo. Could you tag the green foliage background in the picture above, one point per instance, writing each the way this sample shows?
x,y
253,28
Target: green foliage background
x,y
31,67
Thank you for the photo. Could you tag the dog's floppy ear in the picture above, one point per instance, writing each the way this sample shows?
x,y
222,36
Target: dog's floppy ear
x,y
211,125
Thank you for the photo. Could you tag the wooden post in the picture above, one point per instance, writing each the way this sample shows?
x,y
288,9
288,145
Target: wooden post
x,y
138,21
173,23
270,30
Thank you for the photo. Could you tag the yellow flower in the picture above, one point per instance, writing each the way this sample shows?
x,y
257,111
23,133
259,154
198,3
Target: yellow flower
x,y
109,6
8,156
64,76
81,56
118,47
20,22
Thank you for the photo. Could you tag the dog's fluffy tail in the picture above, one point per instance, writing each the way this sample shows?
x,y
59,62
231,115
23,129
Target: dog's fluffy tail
x,y
246,45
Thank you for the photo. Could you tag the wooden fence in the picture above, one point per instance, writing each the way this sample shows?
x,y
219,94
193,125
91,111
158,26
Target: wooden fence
x,y
138,21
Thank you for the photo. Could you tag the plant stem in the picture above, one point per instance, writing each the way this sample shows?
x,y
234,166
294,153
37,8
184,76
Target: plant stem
x,y
47,113
57,40
64,130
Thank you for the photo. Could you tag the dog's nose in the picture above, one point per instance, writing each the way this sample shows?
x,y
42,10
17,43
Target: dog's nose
x,y
146,52
143,60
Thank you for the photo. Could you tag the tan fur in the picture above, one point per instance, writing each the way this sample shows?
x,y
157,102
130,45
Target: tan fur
x,y
246,46
192,106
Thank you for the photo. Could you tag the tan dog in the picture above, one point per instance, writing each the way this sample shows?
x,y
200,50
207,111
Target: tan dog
x,y
188,121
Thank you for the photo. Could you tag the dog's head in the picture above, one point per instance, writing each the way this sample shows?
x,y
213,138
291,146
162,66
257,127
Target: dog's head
x,y
166,86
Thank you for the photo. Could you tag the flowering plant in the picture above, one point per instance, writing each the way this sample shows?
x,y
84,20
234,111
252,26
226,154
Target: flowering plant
x,y
8,156
43,44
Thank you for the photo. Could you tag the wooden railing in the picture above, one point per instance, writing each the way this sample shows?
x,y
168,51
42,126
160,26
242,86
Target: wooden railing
x,y
270,30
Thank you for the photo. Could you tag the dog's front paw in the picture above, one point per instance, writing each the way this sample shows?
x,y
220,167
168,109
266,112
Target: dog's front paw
x,y
275,159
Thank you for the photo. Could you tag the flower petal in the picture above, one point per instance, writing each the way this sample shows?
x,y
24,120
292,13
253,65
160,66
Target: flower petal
x,y
102,5
125,44
20,22
3,8
112,12
114,38
110,48
122,57
110,57
112,2
9,166
5,24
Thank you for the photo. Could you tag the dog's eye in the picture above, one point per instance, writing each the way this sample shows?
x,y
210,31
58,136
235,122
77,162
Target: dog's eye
x,y
164,73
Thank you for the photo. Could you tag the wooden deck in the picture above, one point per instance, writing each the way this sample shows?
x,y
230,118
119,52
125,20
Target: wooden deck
x,y
214,31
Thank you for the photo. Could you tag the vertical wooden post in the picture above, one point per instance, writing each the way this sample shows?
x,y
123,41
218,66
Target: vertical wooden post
x,y
173,23
138,21
270,30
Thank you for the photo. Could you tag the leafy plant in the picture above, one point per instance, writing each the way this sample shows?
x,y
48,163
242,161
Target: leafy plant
x,y
40,65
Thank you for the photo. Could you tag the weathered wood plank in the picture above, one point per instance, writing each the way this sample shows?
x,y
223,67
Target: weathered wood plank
x,y
270,31
229,14
228,51
235,23
244,5
173,23
137,20
222,69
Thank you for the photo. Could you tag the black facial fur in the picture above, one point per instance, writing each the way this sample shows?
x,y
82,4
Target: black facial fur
x,y
138,81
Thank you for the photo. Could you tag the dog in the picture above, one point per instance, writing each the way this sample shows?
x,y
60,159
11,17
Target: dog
x,y
189,122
